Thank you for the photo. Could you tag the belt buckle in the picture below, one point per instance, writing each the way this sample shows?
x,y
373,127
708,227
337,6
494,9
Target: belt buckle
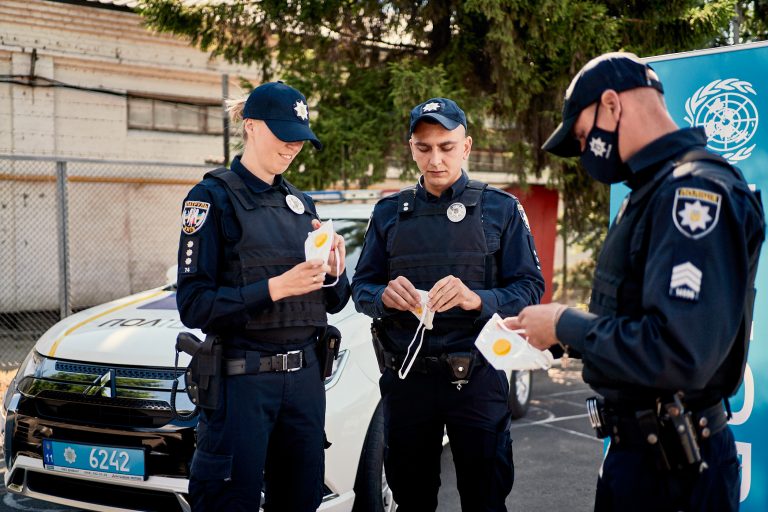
x,y
284,358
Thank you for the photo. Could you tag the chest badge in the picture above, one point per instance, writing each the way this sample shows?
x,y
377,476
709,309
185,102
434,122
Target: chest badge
x,y
295,204
456,212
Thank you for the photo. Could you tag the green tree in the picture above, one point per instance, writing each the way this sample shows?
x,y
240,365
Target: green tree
x,y
507,62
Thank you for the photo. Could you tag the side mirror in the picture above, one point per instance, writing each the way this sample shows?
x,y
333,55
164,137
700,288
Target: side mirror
x,y
170,274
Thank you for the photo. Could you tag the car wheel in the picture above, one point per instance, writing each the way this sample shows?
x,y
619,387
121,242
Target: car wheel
x,y
520,384
372,492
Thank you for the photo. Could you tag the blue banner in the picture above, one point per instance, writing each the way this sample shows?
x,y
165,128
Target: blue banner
x,y
725,90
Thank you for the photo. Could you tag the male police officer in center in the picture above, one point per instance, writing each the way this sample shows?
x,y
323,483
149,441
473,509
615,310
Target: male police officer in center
x,y
671,309
470,247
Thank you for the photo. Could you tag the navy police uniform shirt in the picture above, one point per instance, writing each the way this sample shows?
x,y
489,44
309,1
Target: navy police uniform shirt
x,y
206,240
520,282
679,301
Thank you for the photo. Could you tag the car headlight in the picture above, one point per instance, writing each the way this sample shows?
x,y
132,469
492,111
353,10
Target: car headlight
x,y
338,367
29,367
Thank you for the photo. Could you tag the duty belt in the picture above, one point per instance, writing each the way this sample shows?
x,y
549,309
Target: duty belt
x,y
288,362
627,430
671,433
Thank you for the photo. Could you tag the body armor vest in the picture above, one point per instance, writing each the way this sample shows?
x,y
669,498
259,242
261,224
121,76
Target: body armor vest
x,y
424,246
272,243
618,288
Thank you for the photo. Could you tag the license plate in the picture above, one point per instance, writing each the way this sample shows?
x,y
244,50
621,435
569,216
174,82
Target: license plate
x,y
94,460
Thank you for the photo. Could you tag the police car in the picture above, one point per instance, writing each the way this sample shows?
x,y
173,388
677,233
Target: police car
x,y
87,421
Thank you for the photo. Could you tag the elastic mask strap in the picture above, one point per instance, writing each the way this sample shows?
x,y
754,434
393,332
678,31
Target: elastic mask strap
x,y
405,370
338,267
516,331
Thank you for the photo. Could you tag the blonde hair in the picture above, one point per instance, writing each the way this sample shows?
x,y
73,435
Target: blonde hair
x,y
235,110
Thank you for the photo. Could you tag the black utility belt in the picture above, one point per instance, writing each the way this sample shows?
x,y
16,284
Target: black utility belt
x,y
669,430
291,361
457,366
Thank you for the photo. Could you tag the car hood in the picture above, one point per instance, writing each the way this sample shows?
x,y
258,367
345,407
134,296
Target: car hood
x,y
139,330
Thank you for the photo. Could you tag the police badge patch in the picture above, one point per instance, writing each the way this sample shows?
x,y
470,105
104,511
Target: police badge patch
x,y
695,212
193,216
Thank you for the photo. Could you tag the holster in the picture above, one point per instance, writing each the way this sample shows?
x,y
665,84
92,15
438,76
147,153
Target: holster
x,y
328,349
682,445
377,332
204,373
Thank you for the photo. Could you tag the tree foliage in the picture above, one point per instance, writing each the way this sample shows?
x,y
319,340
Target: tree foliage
x,y
365,63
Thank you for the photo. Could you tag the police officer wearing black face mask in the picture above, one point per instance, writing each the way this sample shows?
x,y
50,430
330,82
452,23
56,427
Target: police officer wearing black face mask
x,y
242,276
469,246
665,342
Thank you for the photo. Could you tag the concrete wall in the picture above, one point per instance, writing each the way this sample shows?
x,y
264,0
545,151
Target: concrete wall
x,y
123,234
99,48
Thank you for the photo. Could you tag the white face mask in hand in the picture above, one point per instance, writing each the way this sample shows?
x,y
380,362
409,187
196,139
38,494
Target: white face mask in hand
x,y
506,349
318,245
425,316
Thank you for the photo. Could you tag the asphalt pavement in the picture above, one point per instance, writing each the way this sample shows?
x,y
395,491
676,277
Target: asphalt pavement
x,y
556,455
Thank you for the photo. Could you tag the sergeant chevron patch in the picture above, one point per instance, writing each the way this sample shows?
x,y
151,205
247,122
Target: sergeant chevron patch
x,y
685,282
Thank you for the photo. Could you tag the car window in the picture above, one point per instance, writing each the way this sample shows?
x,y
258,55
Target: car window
x,y
353,231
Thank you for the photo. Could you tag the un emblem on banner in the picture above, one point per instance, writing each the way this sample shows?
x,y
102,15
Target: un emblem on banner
x,y
728,115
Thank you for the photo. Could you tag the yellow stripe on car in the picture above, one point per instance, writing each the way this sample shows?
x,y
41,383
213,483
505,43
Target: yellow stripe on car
x,y
75,327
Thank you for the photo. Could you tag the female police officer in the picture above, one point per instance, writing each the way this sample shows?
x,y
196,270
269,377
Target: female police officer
x,y
242,277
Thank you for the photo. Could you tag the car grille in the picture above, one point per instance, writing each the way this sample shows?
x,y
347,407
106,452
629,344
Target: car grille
x,y
98,410
110,396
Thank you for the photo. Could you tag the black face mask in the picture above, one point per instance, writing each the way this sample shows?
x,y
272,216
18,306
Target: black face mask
x,y
601,155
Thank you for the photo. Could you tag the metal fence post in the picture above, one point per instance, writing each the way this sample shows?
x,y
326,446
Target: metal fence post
x,y
65,308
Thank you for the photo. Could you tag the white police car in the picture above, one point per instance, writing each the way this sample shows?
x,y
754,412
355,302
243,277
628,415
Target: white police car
x,y
87,421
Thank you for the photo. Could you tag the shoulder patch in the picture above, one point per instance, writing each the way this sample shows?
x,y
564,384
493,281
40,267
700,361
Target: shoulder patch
x,y
685,282
695,211
193,216
523,216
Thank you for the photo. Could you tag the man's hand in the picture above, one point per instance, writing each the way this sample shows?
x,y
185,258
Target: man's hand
x,y
450,292
303,278
400,294
338,250
539,323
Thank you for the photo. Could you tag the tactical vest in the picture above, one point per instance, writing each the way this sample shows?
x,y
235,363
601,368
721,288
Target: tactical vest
x,y
618,286
272,242
424,246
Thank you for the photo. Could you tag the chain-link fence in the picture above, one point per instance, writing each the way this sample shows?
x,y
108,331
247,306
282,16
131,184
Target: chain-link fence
x,y
76,233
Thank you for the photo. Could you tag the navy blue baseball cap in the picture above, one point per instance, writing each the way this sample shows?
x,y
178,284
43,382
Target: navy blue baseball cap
x,y
285,111
444,111
619,71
